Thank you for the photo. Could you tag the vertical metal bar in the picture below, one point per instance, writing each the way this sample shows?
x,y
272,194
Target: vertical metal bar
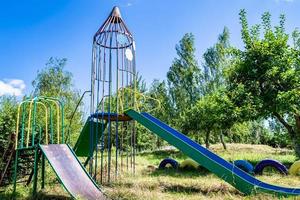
x,y
34,122
35,170
51,125
117,107
15,172
62,124
23,125
109,111
43,171
92,107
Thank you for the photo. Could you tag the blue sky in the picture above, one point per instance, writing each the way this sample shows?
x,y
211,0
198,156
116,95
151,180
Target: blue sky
x,y
32,31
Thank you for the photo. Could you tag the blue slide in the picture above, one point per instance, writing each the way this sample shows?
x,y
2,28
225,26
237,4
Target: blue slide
x,y
241,180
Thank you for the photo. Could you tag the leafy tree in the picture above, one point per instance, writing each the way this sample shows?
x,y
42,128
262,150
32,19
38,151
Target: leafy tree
x,y
213,113
162,108
216,59
184,76
265,75
55,81
8,113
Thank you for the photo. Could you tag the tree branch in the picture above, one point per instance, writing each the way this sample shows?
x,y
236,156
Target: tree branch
x,y
284,123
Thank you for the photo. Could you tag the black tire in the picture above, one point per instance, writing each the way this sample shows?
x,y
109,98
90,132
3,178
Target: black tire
x,y
244,165
270,163
170,161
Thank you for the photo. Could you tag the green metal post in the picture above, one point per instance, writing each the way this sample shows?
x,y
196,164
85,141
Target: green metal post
x,y
15,172
62,124
23,125
43,171
35,170
51,125
34,122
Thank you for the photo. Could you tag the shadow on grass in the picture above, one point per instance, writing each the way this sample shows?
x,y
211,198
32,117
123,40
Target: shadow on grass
x,y
181,173
162,154
221,188
5,196
43,196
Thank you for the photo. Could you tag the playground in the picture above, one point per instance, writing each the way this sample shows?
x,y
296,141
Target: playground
x,y
44,158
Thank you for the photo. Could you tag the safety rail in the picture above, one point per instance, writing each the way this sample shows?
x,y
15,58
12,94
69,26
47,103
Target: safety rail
x,y
73,114
138,104
28,111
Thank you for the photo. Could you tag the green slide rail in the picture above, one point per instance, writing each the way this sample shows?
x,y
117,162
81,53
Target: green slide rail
x,y
225,170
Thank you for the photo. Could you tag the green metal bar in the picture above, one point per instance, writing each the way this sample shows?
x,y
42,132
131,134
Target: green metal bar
x,y
34,122
40,133
23,125
62,124
51,124
73,114
35,178
51,121
15,173
43,171
26,148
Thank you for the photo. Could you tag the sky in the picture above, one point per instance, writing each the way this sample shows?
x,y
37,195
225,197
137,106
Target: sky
x,y
32,31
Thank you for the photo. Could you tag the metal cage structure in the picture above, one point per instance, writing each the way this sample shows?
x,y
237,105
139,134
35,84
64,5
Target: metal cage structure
x,y
113,90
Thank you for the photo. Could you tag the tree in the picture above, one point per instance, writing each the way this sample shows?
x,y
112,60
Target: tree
x,y
160,105
55,81
213,113
216,60
8,113
265,75
184,76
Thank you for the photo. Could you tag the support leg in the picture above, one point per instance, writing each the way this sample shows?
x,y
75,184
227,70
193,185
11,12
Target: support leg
x,y
15,173
35,171
43,171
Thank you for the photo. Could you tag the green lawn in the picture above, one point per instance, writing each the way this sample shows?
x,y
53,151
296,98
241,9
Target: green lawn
x,y
153,184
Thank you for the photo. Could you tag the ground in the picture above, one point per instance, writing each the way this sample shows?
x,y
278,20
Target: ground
x,y
153,184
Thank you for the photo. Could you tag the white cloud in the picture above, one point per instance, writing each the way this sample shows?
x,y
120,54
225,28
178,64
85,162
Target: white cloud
x,y
12,87
128,4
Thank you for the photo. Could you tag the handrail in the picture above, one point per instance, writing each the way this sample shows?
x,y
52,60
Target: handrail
x,y
45,103
18,121
29,121
145,97
73,114
58,103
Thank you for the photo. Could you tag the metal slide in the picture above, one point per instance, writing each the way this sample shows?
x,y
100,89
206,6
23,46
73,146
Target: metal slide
x,y
242,181
71,173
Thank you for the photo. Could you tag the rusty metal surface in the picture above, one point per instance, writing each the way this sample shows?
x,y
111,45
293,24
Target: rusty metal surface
x,y
70,172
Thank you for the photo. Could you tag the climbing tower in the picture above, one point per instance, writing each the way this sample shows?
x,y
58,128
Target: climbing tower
x,y
113,90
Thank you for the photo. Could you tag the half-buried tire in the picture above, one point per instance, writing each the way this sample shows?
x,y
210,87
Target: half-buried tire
x,y
270,163
244,165
168,163
295,168
189,164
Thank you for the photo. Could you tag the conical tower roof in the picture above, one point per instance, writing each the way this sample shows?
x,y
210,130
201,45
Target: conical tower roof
x,y
113,33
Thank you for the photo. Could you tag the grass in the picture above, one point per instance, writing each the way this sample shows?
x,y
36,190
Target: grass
x,y
152,184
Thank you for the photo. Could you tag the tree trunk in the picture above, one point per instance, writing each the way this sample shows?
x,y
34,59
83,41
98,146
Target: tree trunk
x,y
296,136
293,132
222,140
207,139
